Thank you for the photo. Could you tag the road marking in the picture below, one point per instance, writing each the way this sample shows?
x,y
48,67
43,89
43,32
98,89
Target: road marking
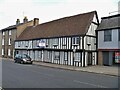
x,y
89,84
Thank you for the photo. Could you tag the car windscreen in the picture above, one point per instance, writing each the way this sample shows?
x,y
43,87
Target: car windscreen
x,y
25,56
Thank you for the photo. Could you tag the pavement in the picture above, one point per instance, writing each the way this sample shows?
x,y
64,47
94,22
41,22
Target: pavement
x,y
107,70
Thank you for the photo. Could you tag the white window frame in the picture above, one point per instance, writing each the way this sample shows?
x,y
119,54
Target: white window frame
x,y
64,41
55,41
10,32
3,41
9,52
77,56
75,41
107,35
9,42
2,51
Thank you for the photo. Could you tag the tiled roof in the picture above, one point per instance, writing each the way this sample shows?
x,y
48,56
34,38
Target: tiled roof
x,y
109,22
67,26
14,26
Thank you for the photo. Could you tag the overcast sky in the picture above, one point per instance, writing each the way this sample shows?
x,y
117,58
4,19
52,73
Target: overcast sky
x,y
48,10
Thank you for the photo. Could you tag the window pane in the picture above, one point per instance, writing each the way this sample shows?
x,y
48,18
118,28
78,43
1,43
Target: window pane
x,y
65,56
77,56
108,35
57,56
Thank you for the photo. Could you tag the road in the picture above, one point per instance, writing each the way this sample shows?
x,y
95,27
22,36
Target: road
x,y
16,75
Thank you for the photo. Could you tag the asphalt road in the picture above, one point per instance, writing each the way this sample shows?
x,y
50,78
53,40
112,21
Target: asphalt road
x,y
16,75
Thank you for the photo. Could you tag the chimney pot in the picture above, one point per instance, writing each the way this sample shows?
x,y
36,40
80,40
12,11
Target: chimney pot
x,y
36,21
18,21
25,19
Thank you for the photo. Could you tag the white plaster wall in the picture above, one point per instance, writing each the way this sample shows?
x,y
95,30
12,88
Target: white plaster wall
x,y
108,45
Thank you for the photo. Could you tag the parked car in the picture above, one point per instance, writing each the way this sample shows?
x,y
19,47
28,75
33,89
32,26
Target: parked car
x,y
22,58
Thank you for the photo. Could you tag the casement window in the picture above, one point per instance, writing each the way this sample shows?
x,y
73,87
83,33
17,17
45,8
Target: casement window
x,y
56,55
9,52
3,41
48,55
65,56
47,42
75,40
88,40
3,33
108,35
26,43
2,51
9,42
55,41
9,32
119,34
77,56
40,54
19,44
64,41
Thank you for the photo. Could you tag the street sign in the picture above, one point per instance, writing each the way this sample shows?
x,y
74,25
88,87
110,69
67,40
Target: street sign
x,y
117,57
42,44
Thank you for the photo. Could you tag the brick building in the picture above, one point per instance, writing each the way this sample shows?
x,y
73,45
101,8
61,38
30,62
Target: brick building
x,y
9,34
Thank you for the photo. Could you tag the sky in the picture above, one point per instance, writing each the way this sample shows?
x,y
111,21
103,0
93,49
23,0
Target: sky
x,y
48,10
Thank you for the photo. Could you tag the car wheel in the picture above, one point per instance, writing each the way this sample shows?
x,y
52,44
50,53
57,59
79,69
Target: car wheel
x,y
15,61
22,62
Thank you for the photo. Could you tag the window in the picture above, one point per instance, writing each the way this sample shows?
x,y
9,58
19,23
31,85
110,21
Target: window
x,y
64,41
108,35
2,51
119,34
3,33
48,55
26,43
75,40
88,40
18,44
47,41
77,56
56,55
9,43
9,32
55,41
9,52
3,41
65,56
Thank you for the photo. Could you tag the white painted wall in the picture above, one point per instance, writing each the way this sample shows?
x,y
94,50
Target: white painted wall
x,y
108,45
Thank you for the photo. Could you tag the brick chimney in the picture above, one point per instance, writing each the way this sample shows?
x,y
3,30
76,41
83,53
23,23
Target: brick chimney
x,y
36,21
25,19
18,21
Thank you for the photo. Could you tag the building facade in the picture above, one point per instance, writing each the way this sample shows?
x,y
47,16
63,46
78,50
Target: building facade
x,y
109,40
69,41
9,35
0,43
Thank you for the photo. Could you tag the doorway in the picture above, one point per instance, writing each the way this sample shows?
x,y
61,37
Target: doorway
x,y
89,58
